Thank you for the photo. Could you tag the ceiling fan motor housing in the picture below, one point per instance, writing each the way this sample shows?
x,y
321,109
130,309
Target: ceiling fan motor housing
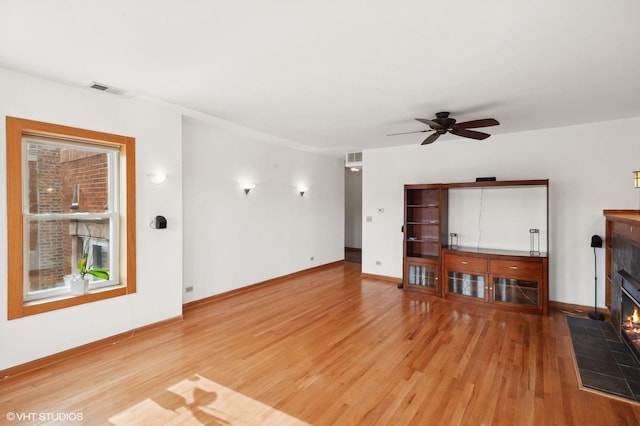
x,y
442,118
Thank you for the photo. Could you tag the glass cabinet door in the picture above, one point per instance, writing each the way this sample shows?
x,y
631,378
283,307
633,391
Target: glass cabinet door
x,y
512,290
423,275
466,284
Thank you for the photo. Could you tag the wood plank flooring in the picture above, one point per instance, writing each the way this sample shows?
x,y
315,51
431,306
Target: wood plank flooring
x,y
325,348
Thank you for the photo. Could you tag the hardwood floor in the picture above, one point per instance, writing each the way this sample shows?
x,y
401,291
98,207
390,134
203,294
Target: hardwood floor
x,y
352,255
326,348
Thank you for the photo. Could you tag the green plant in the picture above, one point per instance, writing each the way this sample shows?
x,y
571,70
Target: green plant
x,y
86,269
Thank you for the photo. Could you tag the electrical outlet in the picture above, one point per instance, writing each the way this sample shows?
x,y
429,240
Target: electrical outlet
x,y
378,263
188,289
369,218
312,258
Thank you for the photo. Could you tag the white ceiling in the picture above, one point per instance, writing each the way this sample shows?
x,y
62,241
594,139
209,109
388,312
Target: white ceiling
x,y
339,75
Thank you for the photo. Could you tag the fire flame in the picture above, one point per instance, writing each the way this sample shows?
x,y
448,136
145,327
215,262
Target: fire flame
x,y
635,318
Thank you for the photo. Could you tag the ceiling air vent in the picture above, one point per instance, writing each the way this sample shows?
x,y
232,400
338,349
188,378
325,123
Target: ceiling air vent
x,y
353,160
104,88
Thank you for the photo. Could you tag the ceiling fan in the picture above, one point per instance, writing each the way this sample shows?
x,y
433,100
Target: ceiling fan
x,y
443,124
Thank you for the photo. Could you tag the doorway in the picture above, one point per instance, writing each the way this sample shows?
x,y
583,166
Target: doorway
x,y
353,215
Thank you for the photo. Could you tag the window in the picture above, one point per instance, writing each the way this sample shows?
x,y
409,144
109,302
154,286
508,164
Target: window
x,y
70,198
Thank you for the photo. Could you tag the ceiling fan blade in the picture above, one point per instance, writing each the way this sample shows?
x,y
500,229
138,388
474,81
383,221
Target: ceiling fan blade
x,y
430,123
477,123
431,139
406,133
469,133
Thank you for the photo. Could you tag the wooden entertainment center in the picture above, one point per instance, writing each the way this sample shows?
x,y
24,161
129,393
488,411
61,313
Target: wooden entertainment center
x,y
513,280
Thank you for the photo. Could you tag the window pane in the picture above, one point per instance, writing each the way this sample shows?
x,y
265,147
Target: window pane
x,y
63,179
100,254
56,246
49,245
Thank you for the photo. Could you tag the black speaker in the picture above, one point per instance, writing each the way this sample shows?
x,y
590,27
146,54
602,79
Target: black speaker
x,y
596,241
160,222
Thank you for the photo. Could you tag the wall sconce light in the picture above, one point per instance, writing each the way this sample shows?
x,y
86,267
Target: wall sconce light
x,y
247,187
157,177
302,190
636,179
355,169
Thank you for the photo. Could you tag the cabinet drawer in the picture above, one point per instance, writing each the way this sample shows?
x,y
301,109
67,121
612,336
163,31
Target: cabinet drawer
x,y
515,268
463,263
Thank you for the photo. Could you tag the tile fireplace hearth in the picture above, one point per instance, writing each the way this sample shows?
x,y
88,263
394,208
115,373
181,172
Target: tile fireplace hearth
x,y
604,362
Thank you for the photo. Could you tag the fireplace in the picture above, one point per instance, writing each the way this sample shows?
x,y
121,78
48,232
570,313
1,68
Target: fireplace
x,y
630,313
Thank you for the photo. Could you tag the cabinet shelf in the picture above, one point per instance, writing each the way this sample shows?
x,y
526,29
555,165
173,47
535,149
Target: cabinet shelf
x,y
501,252
422,256
423,240
424,222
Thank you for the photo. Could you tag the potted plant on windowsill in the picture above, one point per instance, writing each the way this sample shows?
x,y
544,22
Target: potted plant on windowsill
x,y
80,285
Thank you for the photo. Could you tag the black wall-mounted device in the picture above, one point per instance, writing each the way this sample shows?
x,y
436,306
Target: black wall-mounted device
x,y
160,222
486,179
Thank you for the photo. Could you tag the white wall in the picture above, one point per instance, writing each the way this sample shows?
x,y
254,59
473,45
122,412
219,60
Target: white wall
x,y
159,252
499,217
352,208
233,240
589,169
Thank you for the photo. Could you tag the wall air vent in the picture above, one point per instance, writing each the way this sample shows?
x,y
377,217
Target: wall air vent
x,y
353,160
105,88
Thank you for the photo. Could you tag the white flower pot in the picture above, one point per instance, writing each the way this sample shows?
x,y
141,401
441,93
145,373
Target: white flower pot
x,y
79,286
